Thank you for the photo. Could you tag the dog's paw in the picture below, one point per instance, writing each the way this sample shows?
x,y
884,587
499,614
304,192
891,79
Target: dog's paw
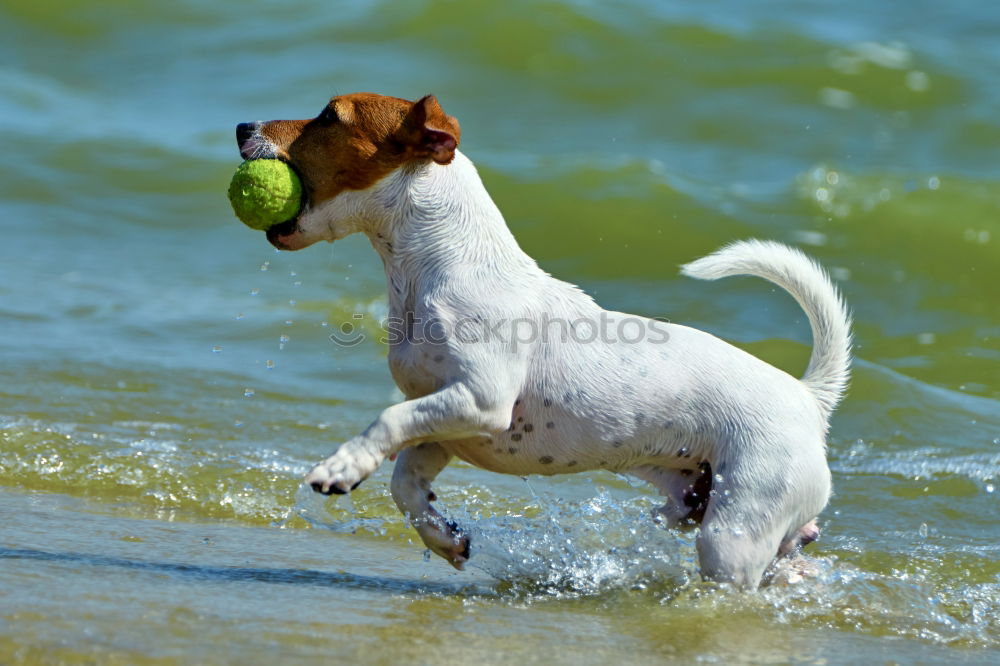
x,y
340,473
803,537
792,570
446,539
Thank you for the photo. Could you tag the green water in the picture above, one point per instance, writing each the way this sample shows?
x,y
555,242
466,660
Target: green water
x,y
166,377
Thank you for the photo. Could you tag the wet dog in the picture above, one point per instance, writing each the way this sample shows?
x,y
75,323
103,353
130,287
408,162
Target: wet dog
x,y
517,372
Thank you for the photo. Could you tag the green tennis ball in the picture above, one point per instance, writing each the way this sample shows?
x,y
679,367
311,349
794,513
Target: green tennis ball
x,y
265,193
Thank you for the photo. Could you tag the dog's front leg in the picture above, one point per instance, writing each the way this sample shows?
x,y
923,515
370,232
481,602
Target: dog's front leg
x,y
415,469
455,412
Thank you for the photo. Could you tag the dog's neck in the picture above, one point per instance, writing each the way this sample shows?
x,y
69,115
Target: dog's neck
x,y
432,223
442,214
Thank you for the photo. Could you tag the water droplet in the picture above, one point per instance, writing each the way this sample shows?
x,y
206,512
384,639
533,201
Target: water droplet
x,y
254,291
990,488
239,315
264,266
269,364
248,393
923,530
216,349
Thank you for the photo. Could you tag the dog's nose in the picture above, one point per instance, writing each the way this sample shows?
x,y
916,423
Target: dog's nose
x,y
244,131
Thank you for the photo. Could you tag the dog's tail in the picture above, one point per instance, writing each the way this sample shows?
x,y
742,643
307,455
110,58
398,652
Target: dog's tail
x,y
829,366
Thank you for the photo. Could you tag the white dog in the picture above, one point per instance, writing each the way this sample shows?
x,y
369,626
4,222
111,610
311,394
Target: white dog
x,y
514,371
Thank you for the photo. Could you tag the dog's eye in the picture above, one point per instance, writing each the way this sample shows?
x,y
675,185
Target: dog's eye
x,y
327,116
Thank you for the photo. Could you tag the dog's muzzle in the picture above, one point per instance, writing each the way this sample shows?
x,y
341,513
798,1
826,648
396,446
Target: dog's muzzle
x,y
251,144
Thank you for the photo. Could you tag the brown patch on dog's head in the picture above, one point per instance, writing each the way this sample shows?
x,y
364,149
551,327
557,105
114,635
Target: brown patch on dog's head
x,y
359,139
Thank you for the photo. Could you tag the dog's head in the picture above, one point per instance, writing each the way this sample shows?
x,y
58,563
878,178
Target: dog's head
x,y
355,141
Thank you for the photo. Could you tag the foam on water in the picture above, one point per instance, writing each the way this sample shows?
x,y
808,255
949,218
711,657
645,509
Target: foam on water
x,y
161,471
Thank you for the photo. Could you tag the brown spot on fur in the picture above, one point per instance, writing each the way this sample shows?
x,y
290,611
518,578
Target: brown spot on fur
x,y
512,450
431,497
550,425
516,437
528,427
546,460
359,139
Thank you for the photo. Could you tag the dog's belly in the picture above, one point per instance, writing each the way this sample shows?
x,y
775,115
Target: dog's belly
x,y
495,456
523,450
501,455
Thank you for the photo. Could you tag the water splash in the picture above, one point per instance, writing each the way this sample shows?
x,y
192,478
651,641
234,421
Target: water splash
x,y
608,549
315,510
568,549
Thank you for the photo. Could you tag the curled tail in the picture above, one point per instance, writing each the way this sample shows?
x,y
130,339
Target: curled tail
x,y
829,366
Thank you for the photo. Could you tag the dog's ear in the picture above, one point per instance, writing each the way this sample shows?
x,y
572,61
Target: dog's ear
x,y
428,132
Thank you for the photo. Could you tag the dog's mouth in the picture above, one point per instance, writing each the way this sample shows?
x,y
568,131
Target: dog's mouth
x,y
286,236
252,146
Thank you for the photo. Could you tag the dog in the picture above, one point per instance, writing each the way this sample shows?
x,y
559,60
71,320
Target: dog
x,y
734,444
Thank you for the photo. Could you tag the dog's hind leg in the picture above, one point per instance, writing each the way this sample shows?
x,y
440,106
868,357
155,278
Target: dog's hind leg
x,y
756,513
732,551
416,468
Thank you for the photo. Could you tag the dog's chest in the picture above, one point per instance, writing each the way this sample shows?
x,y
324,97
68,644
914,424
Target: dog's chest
x,y
417,357
415,370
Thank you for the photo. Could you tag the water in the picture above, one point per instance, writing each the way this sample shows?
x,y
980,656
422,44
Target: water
x,y
167,377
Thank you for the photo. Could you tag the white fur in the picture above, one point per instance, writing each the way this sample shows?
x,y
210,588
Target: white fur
x,y
653,408
829,365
